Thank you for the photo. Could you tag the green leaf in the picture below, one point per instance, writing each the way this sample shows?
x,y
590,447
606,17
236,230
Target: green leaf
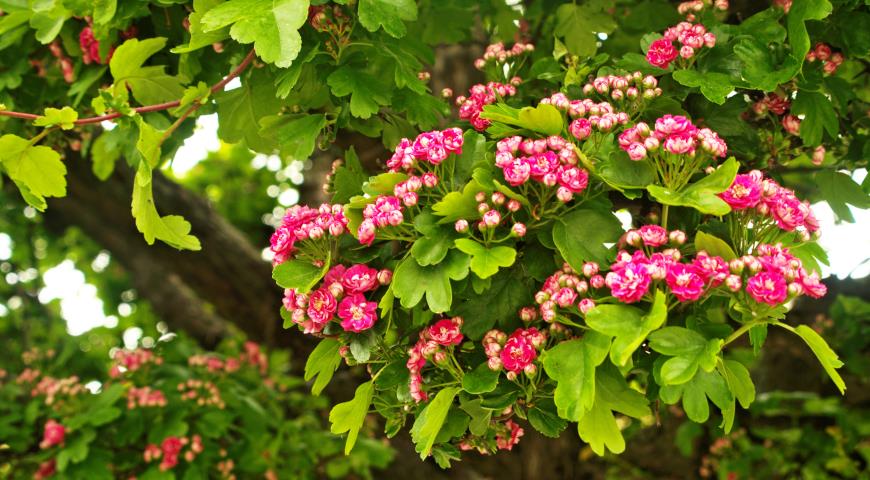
x,y
701,195
322,363
480,380
76,450
689,351
800,12
695,393
581,235
827,357
572,365
818,114
199,38
544,419
104,10
271,25
431,250
296,134
367,93
840,191
36,170
389,14
544,118
412,281
739,382
714,246
349,416
578,25
759,67
480,416
714,85
64,117
457,205
429,421
149,84
384,183
299,274
485,262
173,230
628,325
105,151
612,394
241,109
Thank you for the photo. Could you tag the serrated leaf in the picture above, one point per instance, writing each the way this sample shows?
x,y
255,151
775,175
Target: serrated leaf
x,y
367,93
572,365
36,170
628,325
695,393
173,230
713,85
296,134
322,363
714,246
348,417
149,84
299,274
819,115
430,420
481,379
412,281
581,235
612,394
64,118
456,205
827,357
689,351
544,419
701,195
271,25
389,14
485,262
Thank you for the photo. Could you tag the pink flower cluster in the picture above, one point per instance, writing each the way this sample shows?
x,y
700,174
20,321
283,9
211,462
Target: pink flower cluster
x,y
407,190
145,397
691,37
771,103
497,53
480,96
770,199
564,289
302,223
46,469
54,389
214,364
429,147
551,161
201,392
493,212
341,292
675,134
170,451
434,345
515,353
620,88
508,437
587,115
830,61
91,47
775,275
386,211
53,434
631,276
127,361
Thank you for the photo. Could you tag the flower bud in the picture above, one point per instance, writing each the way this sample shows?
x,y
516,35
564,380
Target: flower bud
x,y
585,305
528,314
385,276
513,205
736,266
597,281
530,370
677,237
482,207
633,238
494,363
492,218
461,225
518,230
564,195
497,198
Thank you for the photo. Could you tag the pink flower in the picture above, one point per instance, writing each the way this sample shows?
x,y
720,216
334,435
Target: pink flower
x,y
359,279
818,155
366,232
518,172
679,144
636,151
674,125
791,124
518,352
357,313
506,440
574,179
685,282
630,283
445,332
321,306
580,128
52,435
661,53
744,192
713,269
787,210
334,274
767,287
653,235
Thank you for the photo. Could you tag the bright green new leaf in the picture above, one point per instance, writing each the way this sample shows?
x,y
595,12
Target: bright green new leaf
x,y
149,84
322,363
598,427
480,380
36,170
430,250
572,365
271,25
581,235
485,262
695,393
456,205
818,114
389,14
173,230
429,421
827,357
412,281
544,118
714,85
714,246
383,184
349,416
689,349
628,325
64,117
299,274
199,38
701,195
367,93
739,382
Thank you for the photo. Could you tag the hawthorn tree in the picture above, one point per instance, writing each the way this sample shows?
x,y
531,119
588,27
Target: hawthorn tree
x,y
463,249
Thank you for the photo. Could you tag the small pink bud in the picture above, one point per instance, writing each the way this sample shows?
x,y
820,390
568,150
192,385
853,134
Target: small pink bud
x,y
385,276
677,237
518,230
513,205
461,225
